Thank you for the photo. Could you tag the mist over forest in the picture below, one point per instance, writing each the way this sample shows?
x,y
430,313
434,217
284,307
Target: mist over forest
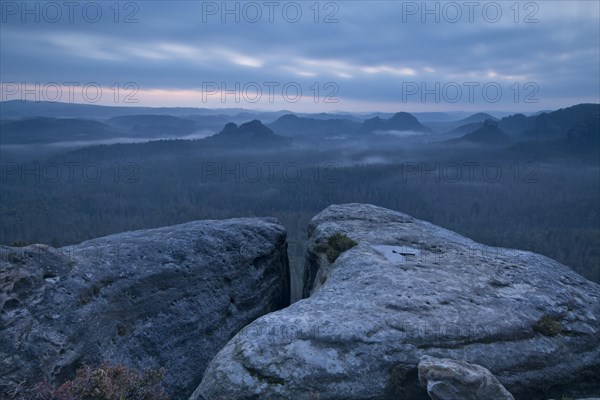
x,y
525,182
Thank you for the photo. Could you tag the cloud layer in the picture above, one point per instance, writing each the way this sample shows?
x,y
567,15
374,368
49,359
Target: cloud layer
x,y
351,55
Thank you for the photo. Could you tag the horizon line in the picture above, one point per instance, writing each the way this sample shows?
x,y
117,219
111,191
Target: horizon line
x,y
262,110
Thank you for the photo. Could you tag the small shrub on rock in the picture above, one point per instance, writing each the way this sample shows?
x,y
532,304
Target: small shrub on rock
x,y
336,245
107,382
548,326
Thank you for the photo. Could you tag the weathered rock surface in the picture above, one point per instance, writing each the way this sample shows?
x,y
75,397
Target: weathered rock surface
x,y
447,379
168,297
409,289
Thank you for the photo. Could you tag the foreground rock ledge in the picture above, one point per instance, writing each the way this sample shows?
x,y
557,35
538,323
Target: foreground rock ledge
x,y
168,297
447,379
410,289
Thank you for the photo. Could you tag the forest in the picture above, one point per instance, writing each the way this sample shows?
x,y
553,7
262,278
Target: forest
x,y
546,201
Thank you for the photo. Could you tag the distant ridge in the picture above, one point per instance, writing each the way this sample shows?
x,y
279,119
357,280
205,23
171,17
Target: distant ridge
x,y
247,134
479,117
489,134
48,130
401,121
579,122
460,126
21,108
145,125
293,125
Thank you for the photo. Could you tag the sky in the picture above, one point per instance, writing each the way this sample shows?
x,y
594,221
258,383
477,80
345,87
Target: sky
x,y
304,56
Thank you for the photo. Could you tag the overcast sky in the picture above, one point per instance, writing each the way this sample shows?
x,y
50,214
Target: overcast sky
x,y
305,56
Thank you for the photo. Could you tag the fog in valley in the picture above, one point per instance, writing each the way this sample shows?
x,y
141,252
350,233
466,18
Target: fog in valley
x,y
533,190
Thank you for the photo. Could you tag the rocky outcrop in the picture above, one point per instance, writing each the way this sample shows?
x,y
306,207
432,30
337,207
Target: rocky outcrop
x,y
406,290
447,379
252,133
168,297
488,134
400,122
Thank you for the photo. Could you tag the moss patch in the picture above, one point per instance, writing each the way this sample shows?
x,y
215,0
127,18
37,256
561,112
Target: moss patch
x,y
336,245
549,325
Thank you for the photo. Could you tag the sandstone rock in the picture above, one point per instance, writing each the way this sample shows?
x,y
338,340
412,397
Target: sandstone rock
x,y
168,297
409,289
447,379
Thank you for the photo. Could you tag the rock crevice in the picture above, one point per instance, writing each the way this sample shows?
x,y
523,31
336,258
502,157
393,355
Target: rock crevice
x,y
410,289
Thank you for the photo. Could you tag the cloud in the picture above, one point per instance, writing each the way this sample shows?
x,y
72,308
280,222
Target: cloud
x,y
240,59
370,53
389,70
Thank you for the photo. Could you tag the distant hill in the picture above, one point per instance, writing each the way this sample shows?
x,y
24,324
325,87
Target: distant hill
x,y
488,134
49,130
153,125
516,125
400,122
46,130
459,126
464,129
568,132
513,125
479,117
252,133
577,123
427,117
293,126
231,139
540,112
217,121
20,109
342,116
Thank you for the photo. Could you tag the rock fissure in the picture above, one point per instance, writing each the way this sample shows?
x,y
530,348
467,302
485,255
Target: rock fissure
x,y
459,300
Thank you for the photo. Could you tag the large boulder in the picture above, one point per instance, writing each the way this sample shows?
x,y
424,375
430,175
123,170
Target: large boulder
x,y
168,297
406,290
447,379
